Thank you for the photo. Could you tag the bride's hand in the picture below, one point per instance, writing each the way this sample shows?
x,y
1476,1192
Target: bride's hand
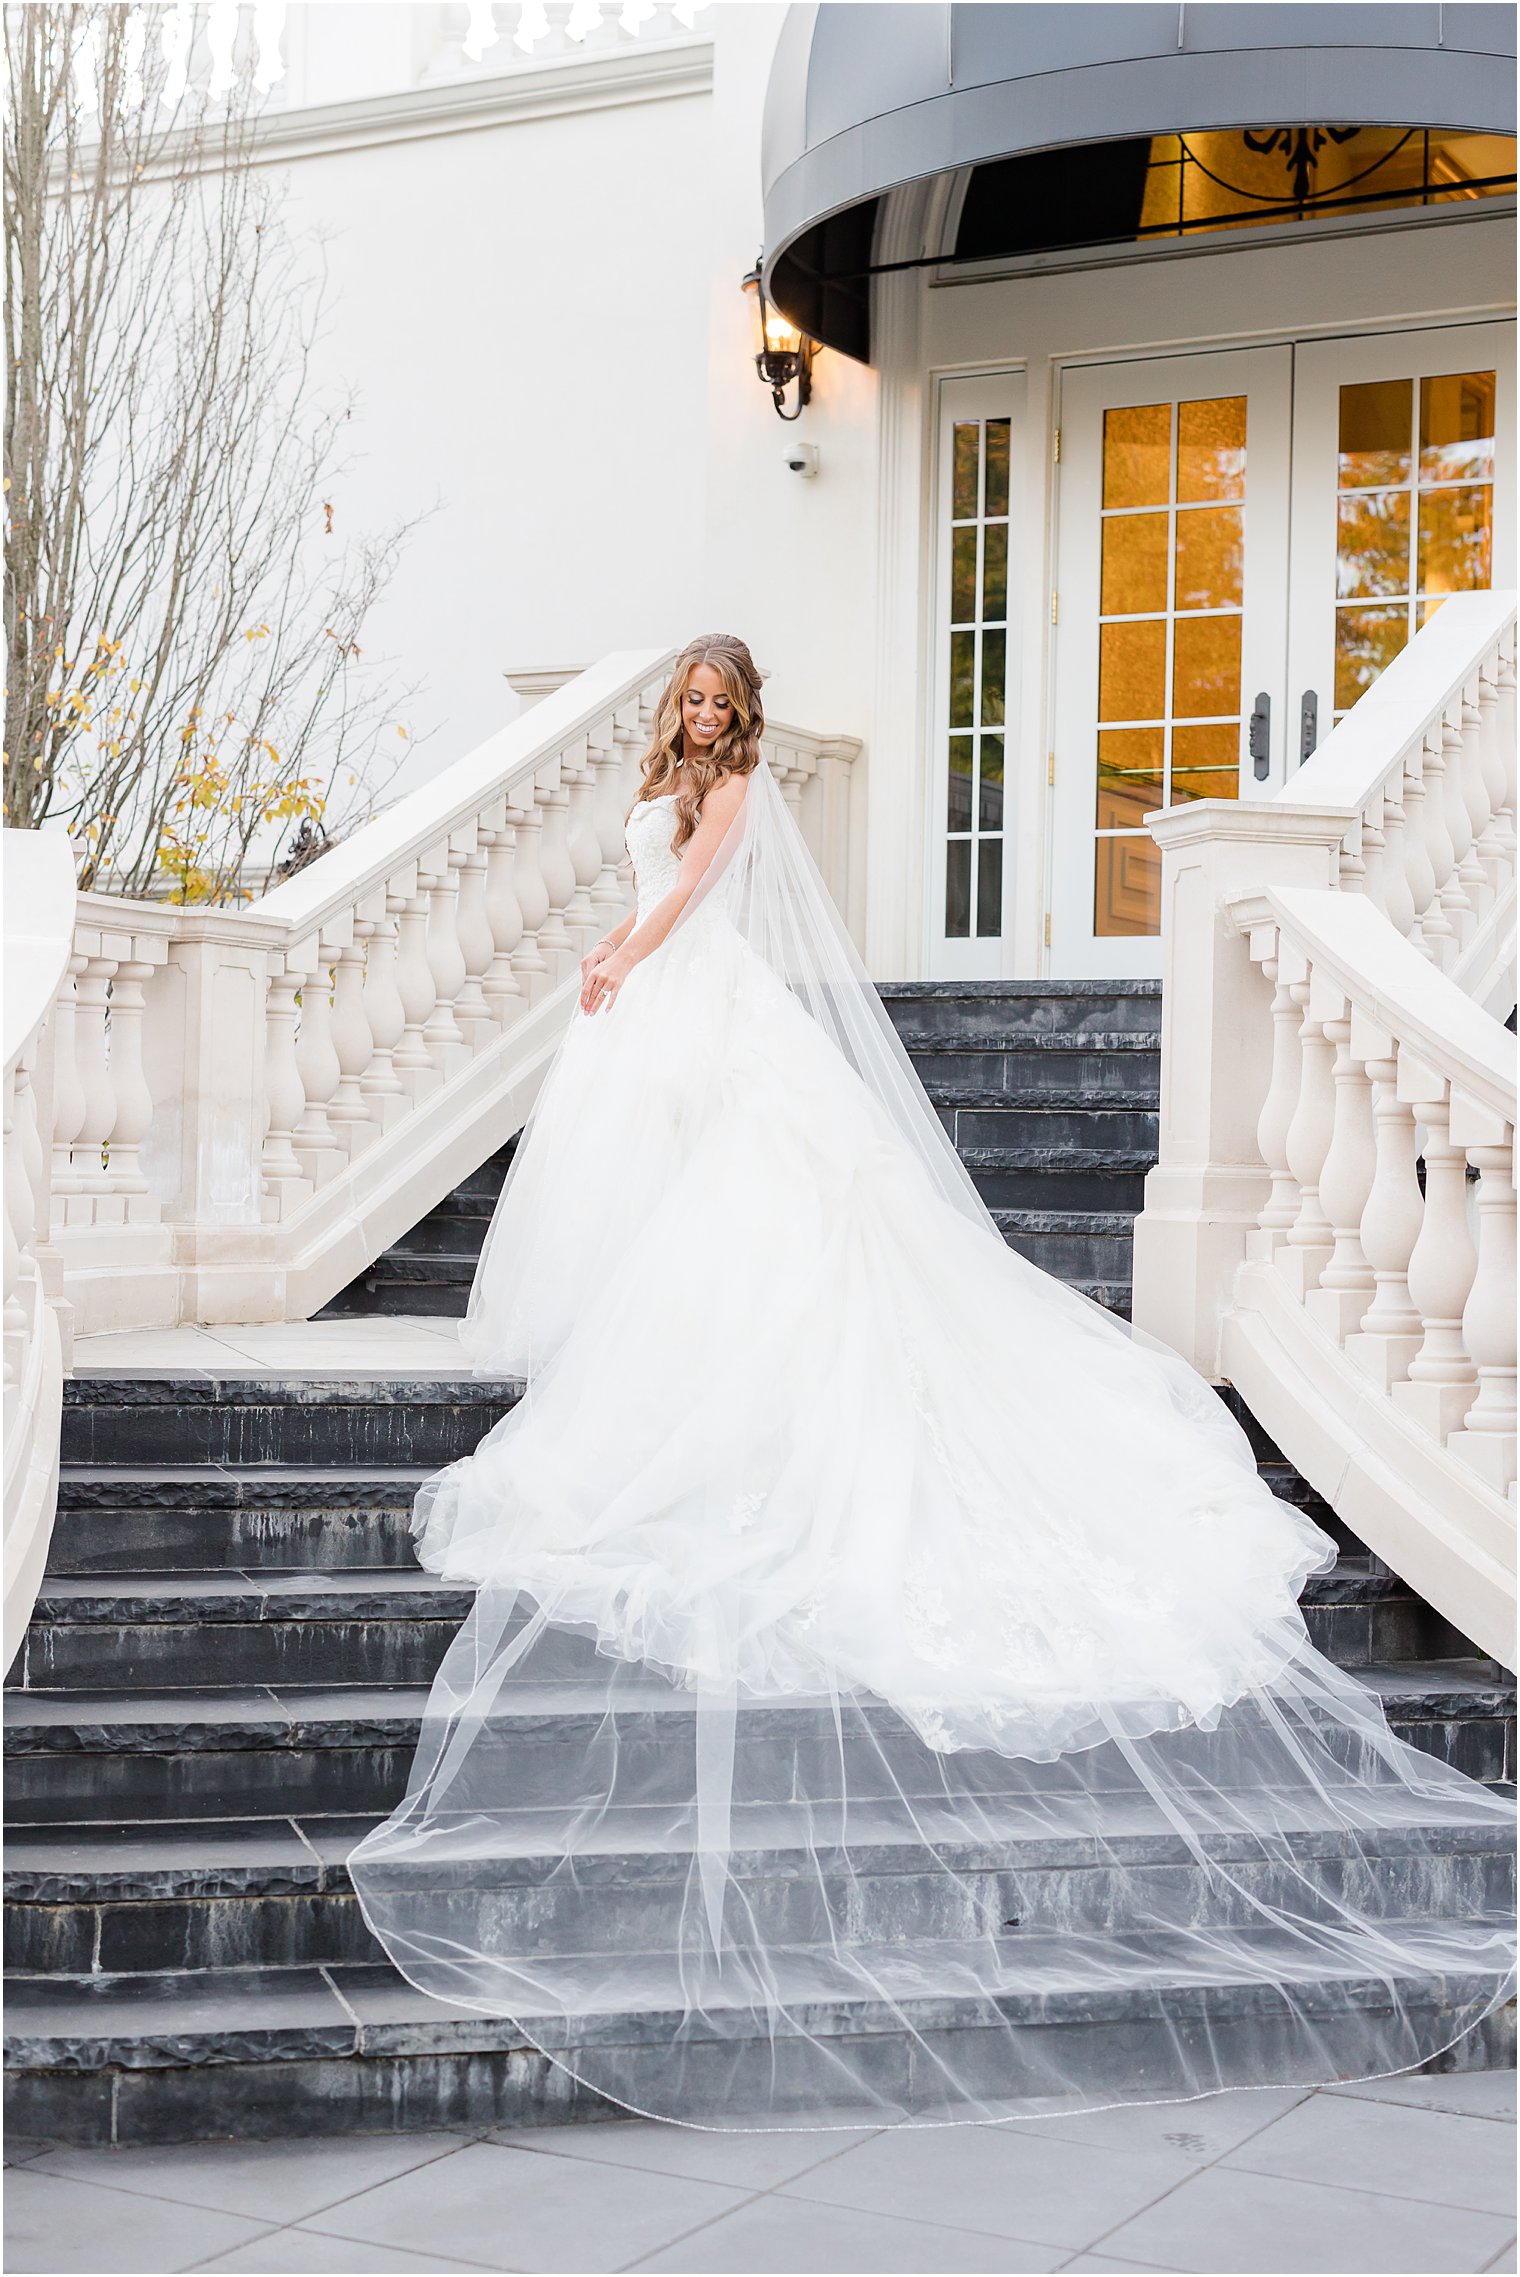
x,y
596,955
602,985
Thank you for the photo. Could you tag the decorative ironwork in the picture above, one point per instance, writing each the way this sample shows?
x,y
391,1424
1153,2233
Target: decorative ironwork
x,y
1300,147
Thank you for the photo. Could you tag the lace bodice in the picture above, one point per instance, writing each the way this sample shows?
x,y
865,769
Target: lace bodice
x,y
656,865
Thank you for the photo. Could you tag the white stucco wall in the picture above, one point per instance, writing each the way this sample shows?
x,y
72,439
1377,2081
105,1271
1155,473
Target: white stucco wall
x,y
544,323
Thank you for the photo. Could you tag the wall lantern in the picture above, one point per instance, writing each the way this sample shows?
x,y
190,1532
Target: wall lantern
x,y
782,353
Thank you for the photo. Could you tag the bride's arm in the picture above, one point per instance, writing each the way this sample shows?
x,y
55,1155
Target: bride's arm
x,y
718,810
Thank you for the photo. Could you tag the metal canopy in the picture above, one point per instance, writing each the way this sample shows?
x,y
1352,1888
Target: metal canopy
x,y
867,94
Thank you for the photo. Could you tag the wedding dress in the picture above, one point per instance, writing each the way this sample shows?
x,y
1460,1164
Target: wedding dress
x,y
886,1695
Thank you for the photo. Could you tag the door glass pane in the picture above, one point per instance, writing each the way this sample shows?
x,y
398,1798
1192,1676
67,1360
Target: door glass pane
x,y
977,646
1210,558
995,573
989,888
1375,433
1412,524
966,481
958,889
1211,448
998,434
1132,670
994,674
963,679
1365,641
963,576
1456,539
1131,776
1137,455
1206,667
990,784
1372,544
1457,427
1205,762
958,816
1172,589
1134,564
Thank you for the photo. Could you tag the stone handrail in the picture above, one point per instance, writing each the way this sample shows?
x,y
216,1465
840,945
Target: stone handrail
x,y
1423,767
39,904
1333,963
250,1104
1371,1329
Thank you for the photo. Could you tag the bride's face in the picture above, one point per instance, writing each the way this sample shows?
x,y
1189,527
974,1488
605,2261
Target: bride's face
x,y
706,709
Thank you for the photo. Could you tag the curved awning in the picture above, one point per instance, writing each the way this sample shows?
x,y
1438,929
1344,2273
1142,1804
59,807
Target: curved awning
x,y
866,95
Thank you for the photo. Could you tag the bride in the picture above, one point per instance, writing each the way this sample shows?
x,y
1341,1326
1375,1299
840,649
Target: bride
x,y
886,1695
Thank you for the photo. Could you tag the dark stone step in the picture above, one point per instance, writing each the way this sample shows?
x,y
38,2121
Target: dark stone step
x,y
999,1012
178,1631
97,1902
267,1752
351,2049
307,1421
129,1521
1076,1134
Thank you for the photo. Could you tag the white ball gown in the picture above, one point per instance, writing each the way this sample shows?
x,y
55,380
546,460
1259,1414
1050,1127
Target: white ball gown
x,y
886,1695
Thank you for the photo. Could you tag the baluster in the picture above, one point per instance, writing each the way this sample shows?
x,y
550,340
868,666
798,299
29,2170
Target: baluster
x,y
1497,851
1449,921
1374,854
92,997
69,1106
1487,1437
608,898
317,1144
1391,1220
1277,1110
284,1178
1439,1388
1309,1237
414,978
134,1100
501,987
445,962
557,944
348,1110
1467,795
1398,899
528,962
382,1086
1345,1182
585,850
1418,866
476,949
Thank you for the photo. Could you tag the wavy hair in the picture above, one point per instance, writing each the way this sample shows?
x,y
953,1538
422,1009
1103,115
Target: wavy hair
x,y
737,750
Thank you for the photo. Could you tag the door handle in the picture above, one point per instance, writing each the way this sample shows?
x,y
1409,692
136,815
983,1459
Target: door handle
x,y
1259,737
1308,725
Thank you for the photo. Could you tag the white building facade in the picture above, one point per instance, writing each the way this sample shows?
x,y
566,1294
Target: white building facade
x,y
1137,453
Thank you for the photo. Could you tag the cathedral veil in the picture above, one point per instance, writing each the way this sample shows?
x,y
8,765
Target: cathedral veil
x,y
885,1699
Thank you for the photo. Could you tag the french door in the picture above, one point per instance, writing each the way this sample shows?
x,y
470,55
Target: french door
x,y
1171,602
1244,541
975,680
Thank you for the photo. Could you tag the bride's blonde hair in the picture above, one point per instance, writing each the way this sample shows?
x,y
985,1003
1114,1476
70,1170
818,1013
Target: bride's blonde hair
x,y
737,750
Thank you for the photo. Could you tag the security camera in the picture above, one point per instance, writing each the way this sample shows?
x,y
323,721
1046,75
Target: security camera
x,y
802,458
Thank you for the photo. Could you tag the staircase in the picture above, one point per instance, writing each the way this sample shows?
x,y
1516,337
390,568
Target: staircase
x,y
1048,1088
222,1685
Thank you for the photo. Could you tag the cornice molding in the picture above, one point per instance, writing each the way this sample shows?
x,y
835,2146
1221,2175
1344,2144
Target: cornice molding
x,y
608,79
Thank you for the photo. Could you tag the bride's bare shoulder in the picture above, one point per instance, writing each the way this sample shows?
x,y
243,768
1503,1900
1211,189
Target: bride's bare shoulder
x,y
724,800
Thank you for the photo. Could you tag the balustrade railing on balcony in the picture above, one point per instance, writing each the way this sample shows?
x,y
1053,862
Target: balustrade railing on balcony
x,y
1331,1223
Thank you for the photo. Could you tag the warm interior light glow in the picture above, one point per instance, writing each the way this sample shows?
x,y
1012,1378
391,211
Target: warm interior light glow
x,y
779,334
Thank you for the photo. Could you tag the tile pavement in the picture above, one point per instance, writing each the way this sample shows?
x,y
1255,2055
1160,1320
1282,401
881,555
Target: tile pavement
x,y
1398,2175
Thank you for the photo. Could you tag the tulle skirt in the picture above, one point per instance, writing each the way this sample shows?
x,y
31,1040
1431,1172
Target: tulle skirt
x,y
886,1695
